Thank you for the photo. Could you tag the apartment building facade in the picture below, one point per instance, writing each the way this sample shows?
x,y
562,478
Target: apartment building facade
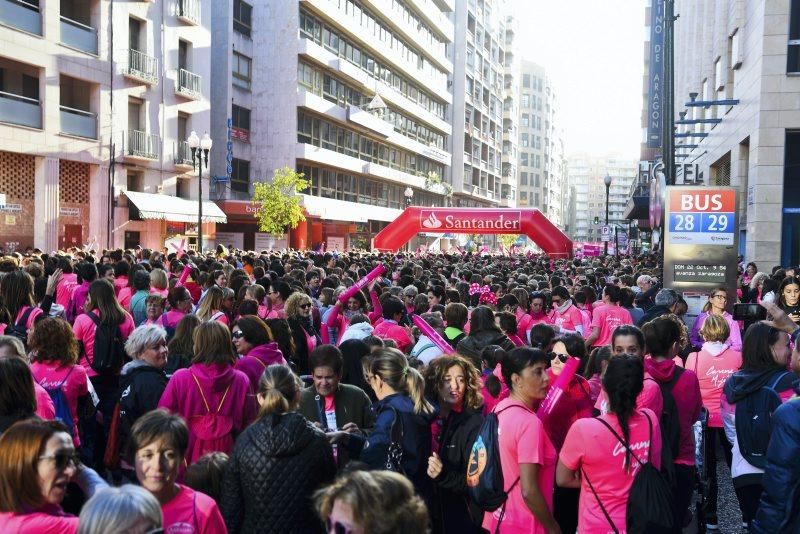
x,y
586,176
353,93
95,99
542,166
484,110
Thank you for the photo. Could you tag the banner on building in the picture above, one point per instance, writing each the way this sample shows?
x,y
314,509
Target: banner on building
x,y
655,116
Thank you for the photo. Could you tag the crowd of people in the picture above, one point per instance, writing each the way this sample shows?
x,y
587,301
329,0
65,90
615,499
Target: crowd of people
x,y
236,391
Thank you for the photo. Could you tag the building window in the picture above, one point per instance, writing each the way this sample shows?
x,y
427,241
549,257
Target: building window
x,y
240,177
242,70
526,100
523,159
526,142
536,178
794,39
526,80
526,120
242,17
523,178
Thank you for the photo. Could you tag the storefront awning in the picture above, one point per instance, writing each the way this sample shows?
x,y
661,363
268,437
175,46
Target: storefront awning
x,y
339,210
169,208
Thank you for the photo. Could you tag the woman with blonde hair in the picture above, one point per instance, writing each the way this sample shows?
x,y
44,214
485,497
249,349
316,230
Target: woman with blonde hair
x,y
211,395
378,502
453,385
159,284
277,464
306,338
401,406
211,308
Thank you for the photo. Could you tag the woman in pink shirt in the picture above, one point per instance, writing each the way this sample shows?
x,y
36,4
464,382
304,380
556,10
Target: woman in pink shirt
x,y
606,318
609,450
55,367
527,455
713,365
159,441
211,395
253,341
180,303
16,301
159,283
37,462
11,347
124,294
279,292
524,319
103,307
566,317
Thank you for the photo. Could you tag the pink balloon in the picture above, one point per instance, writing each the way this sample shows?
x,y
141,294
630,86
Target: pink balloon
x,y
372,275
432,334
187,270
558,388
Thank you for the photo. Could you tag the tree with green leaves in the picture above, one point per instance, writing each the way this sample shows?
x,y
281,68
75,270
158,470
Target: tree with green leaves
x,y
278,201
507,240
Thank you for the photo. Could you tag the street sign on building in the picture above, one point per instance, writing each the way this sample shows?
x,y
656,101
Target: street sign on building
x,y
605,234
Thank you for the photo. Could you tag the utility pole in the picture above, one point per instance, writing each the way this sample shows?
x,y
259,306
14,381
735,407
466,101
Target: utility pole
x,y
668,100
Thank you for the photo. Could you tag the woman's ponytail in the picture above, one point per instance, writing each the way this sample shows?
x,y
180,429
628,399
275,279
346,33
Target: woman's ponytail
x,y
415,387
277,389
623,381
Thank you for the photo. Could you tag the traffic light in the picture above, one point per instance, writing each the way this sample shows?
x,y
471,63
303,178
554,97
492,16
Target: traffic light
x,y
596,219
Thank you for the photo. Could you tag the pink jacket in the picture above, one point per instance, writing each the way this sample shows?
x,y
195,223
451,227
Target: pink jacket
x,y
259,358
49,520
713,365
391,330
524,323
686,392
223,389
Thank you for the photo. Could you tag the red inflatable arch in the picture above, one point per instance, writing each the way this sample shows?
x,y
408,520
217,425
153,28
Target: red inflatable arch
x,y
528,221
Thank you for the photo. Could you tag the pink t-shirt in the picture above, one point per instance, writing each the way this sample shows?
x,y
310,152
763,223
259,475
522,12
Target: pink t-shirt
x,y
592,447
712,372
522,441
65,287
649,398
51,374
85,328
192,512
607,319
39,523
171,318
571,319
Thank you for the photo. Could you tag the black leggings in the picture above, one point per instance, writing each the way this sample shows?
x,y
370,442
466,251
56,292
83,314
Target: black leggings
x,y
565,508
749,497
712,436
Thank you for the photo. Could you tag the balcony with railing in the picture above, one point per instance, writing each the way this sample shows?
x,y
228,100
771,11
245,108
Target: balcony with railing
x,y
142,145
189,11
20,110
141,67
189,85
78,35
182,155
22,15
78,122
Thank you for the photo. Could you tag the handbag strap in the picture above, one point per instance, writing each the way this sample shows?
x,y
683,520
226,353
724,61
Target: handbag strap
x,y
200,389
602,508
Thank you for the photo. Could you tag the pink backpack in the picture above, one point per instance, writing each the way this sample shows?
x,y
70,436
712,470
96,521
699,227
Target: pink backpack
x,y
212,431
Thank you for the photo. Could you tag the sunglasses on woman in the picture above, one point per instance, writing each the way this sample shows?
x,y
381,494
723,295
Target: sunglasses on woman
x,y
237,335
561,357
305,306
63,459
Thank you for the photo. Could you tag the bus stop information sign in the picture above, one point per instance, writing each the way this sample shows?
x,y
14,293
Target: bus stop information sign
x,y
701,239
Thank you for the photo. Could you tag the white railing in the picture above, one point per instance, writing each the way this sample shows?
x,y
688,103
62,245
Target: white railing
x,y
189,83
189,10
142,66
143,145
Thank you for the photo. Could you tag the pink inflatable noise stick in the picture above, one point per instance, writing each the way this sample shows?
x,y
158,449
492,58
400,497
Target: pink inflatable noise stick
x,y
372,275
187,270
432,334
558,388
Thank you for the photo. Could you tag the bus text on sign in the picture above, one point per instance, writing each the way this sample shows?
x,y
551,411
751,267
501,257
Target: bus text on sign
x,y
702,218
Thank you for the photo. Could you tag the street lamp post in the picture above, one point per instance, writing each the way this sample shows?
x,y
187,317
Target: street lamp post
x,y
607,181
200,149
409,194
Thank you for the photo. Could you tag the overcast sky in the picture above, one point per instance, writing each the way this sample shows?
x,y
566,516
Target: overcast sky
x,y
592,50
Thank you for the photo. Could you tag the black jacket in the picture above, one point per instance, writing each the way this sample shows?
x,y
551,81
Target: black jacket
x,y
351,405
452,510
472,346
652,313
277,464
300,344
140,386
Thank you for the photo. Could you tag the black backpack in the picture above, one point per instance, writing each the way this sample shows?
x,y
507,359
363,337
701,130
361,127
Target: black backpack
x,y
109,347
670,426
650,508
19,329
485,484
754,422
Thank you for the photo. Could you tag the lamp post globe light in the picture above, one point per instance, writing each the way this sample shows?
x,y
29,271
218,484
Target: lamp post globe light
x,y
607,181
409,194
200,149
